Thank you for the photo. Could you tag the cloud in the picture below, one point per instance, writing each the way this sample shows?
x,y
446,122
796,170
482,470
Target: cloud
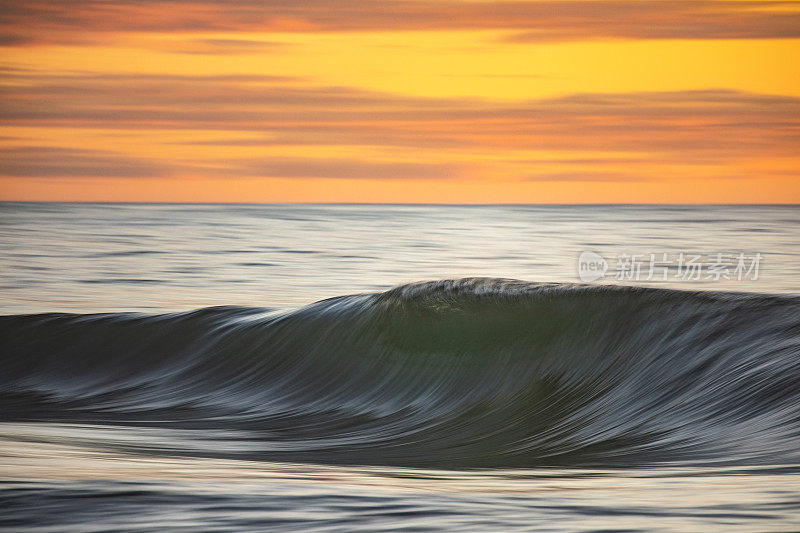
x,y
50,161
228,46
343,168
57,162
586,176
647,134
39,21
11,39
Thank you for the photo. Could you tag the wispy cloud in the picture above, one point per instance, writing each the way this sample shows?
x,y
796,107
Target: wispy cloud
x,y
53,161
343,168
38,21
265,121
228,46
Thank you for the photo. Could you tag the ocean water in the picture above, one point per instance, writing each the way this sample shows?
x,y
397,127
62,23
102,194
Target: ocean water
x,y
386,368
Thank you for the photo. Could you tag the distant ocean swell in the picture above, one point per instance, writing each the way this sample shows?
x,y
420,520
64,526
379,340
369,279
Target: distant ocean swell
x,y
450,374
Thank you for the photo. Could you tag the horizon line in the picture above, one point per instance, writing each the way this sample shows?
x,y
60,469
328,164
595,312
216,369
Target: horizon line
x,y
466,204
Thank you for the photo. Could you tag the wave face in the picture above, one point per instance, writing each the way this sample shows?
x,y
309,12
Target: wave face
x,y
448,374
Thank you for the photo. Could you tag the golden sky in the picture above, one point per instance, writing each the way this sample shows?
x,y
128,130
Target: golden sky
x,y
462,101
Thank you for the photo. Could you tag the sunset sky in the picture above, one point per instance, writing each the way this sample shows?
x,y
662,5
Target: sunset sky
x,y
401,101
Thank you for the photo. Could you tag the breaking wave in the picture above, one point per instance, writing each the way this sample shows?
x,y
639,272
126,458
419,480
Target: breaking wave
x,y
447,374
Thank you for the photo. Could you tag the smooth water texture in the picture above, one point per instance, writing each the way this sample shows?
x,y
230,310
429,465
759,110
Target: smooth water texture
x,y
473,403
128,257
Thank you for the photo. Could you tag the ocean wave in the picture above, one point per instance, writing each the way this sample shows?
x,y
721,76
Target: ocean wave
x,y
448,374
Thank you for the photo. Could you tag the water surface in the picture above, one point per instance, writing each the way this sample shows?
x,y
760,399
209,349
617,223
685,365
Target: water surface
x,y
233,368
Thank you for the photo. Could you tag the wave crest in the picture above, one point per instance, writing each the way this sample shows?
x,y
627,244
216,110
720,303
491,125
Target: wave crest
x,y
455,373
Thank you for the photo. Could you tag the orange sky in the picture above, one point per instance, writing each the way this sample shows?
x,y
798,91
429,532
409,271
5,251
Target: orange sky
x,y
401,101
